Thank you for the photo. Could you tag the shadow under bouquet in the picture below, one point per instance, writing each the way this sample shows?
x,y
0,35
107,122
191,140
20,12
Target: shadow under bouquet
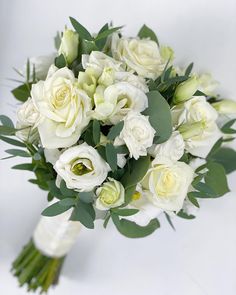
x,y
114,130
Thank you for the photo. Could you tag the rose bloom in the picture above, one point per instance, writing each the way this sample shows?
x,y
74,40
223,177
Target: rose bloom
x,y
140,55
63,106
166,183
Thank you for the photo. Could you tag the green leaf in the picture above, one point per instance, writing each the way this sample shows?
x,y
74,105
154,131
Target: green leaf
x,y
22,92
82,214
132,230
216,179
102,42
68,202
4,130
26,166
227,127
159,116
138,169
81,30
215,148
168,218
12,141
204,189
106,221
226,157
55,209
184,215
54,190
60,61
125,212
193,200
65,191
87,197
96,131
122,149
189,70
57,41
6,121
115,130
106,33
146,32
18,153
111,156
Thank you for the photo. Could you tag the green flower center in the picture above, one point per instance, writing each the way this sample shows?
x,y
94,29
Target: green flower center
x,y
81,166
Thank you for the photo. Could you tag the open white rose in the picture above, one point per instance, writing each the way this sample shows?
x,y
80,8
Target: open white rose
x,y
110,195
196,121
28,119
64,108
82,168
173,148
114,102
137,134
136,81
140,55
98,61
166,183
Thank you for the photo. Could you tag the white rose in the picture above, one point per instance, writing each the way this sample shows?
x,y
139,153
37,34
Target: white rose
x,y
136,81
98,61
196,121
52,155
166,183
110,195
140,55
28,119
114,102
82,168
65,108
173,148
137,134
147,211
41,64
69,45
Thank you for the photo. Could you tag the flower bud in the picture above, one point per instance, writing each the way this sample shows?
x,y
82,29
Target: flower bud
x,y
225,106
191,130
107,77
186,90
69,45
111,194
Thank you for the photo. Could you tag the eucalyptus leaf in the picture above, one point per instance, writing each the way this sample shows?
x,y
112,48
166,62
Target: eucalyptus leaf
x,y
22,92
115,130
146,32
81,214
125,212
111,156
185,215
159,116
18,153
96,131
26,166
12,141
81,30
87,197
226,157
226,128
106,33
55,209
6,121
60,61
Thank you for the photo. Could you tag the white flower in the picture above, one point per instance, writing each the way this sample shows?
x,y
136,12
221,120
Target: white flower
x,y
28,119
63,106
186,90
173,148
136,81
110,195
98,61
69,45
166,183
207,84
137,134
147,210
82,168
114,102
41,64
196,121
140,55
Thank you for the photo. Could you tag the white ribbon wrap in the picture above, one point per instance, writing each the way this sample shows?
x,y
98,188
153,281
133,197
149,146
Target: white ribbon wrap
x,y
54,236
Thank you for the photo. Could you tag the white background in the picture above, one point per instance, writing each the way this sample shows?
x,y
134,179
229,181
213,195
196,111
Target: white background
x,y
200,257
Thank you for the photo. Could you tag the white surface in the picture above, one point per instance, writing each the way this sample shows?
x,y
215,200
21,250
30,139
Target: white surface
x,y
200,257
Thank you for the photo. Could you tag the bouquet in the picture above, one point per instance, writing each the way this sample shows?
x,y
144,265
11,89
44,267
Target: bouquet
x,y
113,129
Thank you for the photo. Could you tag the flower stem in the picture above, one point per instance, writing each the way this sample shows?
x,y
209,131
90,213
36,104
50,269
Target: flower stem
x,y
35,269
